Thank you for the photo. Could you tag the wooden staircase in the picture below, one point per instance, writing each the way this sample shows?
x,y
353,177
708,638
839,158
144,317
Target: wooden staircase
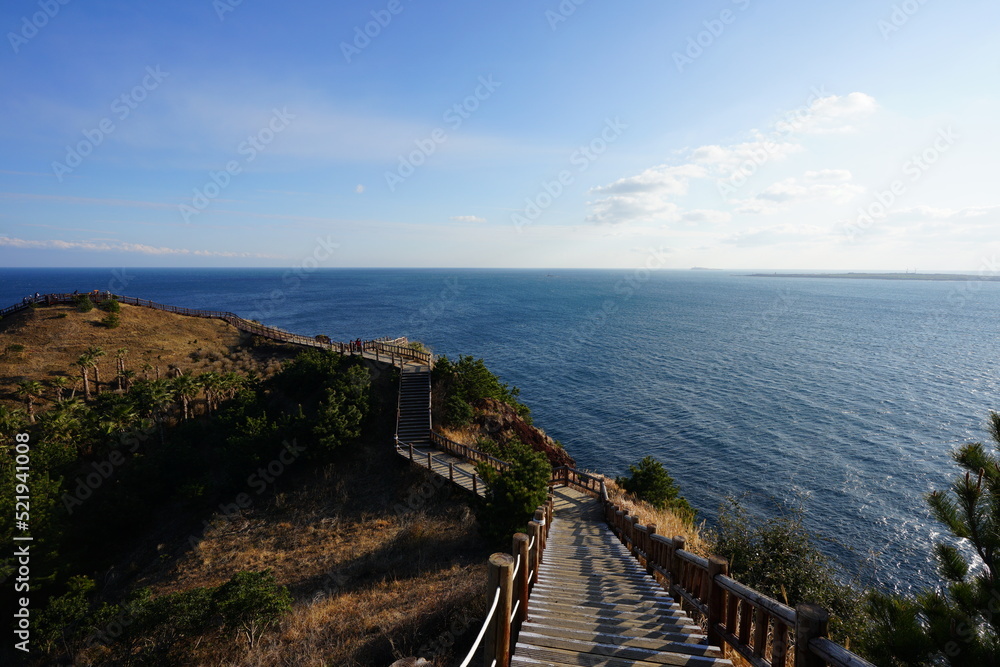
x,y
413,424
593,604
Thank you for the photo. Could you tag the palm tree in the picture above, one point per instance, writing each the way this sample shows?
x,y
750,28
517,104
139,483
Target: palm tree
x,y
212,383
120,354
125,379
29,390
85,362
11,421
59,384
95,353
185,387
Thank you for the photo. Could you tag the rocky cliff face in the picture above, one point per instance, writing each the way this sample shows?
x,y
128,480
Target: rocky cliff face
x,y
500,422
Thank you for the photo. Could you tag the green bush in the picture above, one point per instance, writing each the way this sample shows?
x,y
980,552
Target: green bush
x,y
649,481
470,380
83,303
778,558
111,321
513,495
251,601
111,306
15,348
457,412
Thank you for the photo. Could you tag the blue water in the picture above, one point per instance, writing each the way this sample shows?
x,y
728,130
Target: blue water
x,y
847,396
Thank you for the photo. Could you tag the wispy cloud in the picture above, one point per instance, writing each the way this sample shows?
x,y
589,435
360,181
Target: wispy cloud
x,y
467,218
655,194
121,246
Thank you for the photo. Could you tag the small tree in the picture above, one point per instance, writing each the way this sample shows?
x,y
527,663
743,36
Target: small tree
x,y
83,303
959,623
651,482
111,321
513,495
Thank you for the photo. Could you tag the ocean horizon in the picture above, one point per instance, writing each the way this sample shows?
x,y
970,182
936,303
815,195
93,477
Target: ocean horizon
x,y
844,397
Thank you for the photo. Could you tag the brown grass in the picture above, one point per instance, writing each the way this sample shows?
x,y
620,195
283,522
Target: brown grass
x,y
666,521
53,343
371,582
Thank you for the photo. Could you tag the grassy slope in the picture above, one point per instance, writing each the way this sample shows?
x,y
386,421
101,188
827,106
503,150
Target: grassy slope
x,y
53,344
381,560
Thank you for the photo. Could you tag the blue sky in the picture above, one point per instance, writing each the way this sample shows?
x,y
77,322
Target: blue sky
x,y
666,134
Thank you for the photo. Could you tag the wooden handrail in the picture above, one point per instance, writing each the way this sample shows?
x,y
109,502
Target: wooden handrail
x,y
757,627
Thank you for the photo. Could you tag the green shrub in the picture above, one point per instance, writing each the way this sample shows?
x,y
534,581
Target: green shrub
x,y
513,495
778,558
15,348
649,481
83,303
457,412
470,380
251,601
111,321
111,306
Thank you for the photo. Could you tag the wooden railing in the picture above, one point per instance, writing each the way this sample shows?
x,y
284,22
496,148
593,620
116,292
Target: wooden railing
x,y
566,476
764,631
391,348
468,453
511,578
426,459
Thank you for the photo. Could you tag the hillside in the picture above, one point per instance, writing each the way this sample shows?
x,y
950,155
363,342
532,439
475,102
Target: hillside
x,y
379,560
54,337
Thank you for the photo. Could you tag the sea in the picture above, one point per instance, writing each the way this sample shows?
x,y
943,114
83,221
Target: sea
x,y
843,399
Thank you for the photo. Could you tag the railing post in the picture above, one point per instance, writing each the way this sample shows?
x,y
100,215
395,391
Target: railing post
x,y
675,561
475,488
811,622
411,451
519,548
650,548
544,533
633,534
451,471
429,467
715,596
536,552
498,639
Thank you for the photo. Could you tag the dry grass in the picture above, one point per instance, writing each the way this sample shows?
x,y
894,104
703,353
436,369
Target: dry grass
x,y
52,344
666,521
370,583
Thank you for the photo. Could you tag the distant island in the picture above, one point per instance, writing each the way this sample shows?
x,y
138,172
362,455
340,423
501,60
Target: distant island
x,y
882,276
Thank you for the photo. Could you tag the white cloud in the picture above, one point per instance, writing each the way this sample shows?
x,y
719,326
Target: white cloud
x,y
467,218
359,189
120,246
775,234
705,216
831,115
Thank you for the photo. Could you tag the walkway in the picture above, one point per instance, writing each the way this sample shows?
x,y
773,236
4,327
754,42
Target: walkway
x,y
413,430
594,605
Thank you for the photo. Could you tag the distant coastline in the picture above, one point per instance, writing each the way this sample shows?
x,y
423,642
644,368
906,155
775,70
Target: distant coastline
x,y
882,276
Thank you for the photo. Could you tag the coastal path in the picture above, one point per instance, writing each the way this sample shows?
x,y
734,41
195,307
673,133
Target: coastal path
x,y
592,604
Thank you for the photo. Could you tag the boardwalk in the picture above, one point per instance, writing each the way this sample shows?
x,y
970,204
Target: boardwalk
x,y
594,605
413,430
